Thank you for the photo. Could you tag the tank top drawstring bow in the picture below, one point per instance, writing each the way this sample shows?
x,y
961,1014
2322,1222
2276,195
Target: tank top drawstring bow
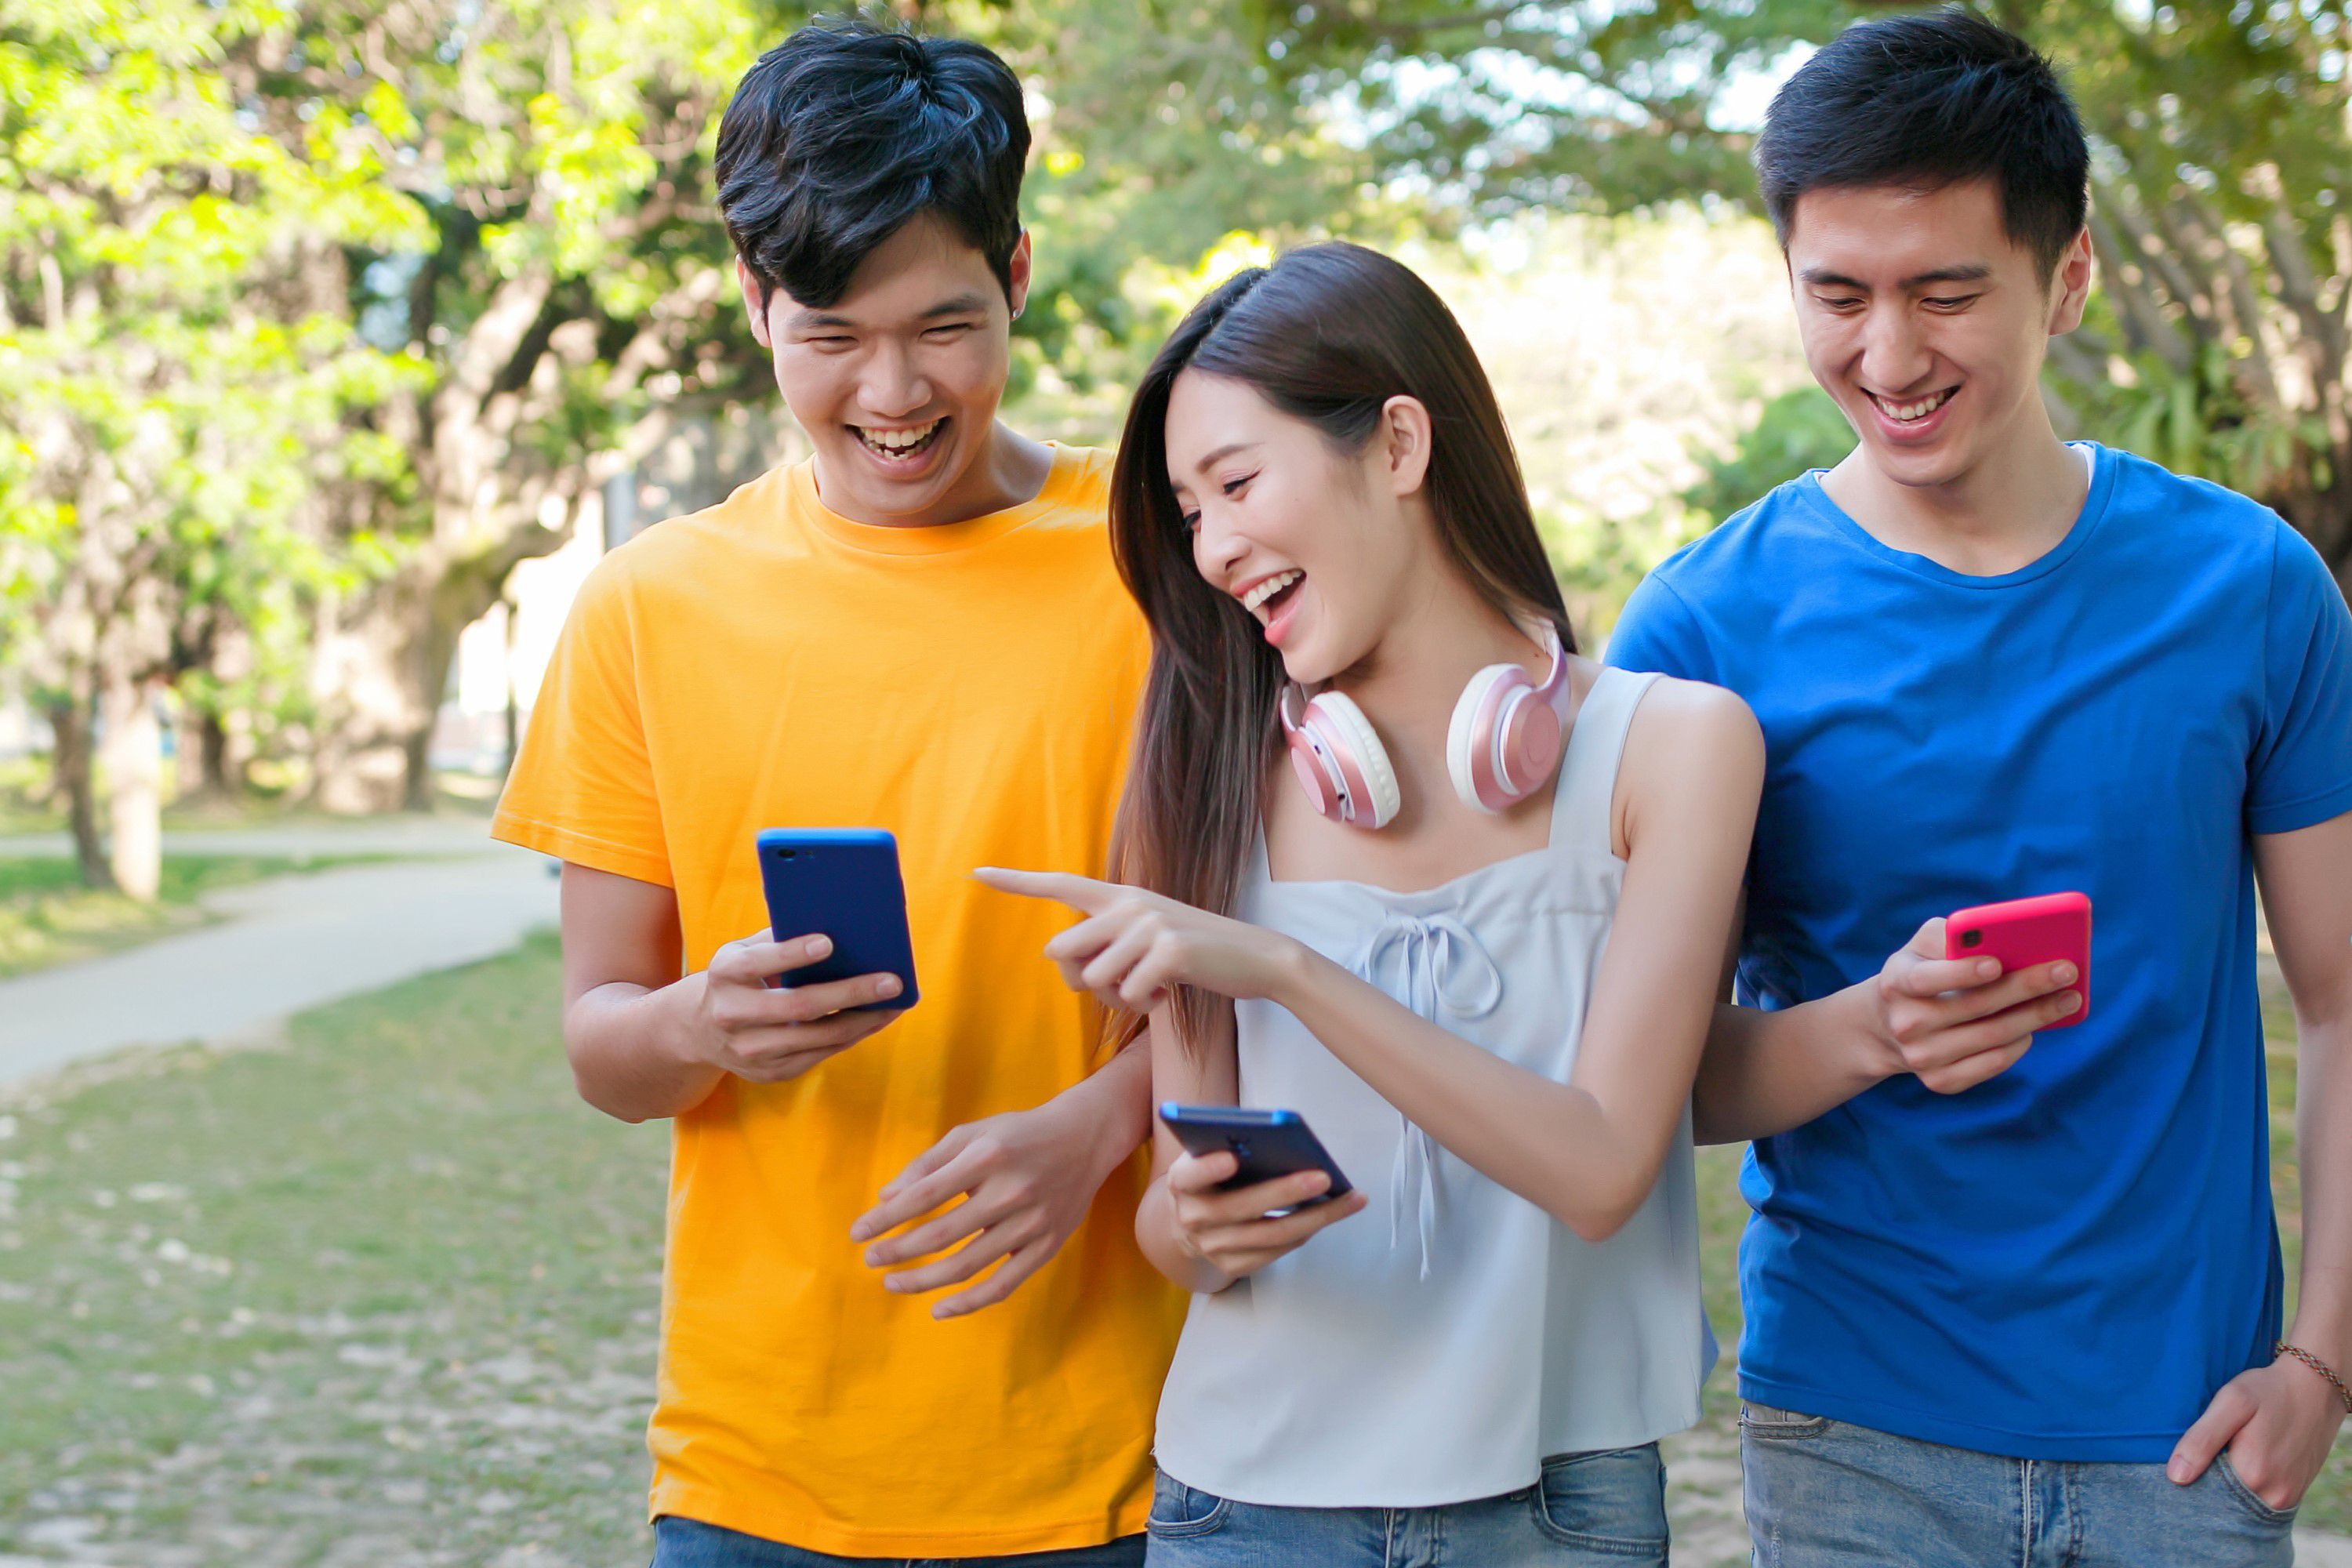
x,y
1429,963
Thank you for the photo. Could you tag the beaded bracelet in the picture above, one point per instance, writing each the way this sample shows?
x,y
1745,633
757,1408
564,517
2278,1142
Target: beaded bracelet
x,y
2322,1368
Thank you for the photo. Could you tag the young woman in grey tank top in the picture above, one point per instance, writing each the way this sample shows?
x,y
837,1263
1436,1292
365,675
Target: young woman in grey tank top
x,y
1475,942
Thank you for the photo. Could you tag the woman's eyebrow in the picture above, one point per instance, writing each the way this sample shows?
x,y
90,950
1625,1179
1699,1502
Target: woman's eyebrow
x,y
1220,454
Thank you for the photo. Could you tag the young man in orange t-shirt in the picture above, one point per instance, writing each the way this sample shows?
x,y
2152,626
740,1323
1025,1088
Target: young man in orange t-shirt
x,y
918,629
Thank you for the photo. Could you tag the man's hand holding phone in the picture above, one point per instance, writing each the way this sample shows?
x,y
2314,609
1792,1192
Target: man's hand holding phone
x,y
744,1025
1240,1230
1956,1023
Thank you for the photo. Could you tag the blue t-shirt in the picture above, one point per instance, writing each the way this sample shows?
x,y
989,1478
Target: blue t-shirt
x,y
2066,1261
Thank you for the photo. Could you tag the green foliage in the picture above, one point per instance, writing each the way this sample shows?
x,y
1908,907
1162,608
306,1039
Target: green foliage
x,y
1797,430
167,419
2222,176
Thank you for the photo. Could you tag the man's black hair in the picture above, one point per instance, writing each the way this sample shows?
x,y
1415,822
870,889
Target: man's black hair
x,y
846,130
1928,100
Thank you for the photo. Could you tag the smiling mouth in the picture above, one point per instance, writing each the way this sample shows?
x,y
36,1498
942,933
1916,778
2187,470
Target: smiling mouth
x,y
1266,599
1914,411
903,445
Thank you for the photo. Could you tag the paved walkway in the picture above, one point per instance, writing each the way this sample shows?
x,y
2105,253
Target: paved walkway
x,y
406,835
288,944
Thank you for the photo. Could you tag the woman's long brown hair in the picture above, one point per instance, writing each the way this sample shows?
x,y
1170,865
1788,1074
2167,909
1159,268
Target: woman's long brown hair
x,y
1328,334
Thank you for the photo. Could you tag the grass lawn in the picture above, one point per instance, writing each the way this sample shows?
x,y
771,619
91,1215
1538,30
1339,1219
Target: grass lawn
x,y
385,1297
48,917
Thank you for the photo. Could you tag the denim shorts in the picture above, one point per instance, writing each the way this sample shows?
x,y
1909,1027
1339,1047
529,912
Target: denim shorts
x,y
1825,1494
690,1543
1605,1509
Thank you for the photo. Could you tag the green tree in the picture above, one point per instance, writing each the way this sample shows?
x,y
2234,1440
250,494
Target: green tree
x,y
574,296
171,404
2222,181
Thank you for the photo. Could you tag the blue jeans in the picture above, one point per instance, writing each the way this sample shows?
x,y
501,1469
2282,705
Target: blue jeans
x,y
1825,1494
1590,1510
690,1543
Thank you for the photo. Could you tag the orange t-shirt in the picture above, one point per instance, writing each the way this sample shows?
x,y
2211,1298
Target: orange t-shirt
x,y
971,686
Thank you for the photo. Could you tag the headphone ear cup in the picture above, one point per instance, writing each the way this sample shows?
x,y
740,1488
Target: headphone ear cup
x,y
1317,777
1355,747
1470,739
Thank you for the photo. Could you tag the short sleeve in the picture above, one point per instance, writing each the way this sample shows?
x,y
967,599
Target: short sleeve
x,y
1658,633
2301,771
582,788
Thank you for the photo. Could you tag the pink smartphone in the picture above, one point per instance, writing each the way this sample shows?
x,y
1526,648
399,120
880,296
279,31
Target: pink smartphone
x,y
2023,932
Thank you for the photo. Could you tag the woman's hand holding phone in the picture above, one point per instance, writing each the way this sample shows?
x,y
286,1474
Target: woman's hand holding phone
x,y
1955,1023
743,1026
1240,1231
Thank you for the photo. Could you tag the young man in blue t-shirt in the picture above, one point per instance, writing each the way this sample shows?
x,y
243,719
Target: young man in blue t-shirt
x,y
2013,1297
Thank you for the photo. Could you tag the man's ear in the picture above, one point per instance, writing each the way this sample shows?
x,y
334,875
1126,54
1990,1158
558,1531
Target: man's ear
x,y
2070,287
755,302
1404,443
1017,293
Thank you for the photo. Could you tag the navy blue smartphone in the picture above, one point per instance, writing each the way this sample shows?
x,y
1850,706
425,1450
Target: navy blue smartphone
x,y
844,883
1268,1143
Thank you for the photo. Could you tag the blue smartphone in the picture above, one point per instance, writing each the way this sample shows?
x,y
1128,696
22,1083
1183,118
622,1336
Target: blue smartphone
x,y
844,883
1268,1143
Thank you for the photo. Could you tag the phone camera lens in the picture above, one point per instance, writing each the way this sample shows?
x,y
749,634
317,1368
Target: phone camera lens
x,y
791,854
1241,1148
1971,939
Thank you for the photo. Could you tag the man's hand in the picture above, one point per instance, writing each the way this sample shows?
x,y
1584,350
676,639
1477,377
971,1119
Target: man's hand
x,y
743,1026
1025,1178
1956,1022
2278,1423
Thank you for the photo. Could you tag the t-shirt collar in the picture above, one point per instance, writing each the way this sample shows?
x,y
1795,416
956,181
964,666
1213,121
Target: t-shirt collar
x,y
936,538
1809,491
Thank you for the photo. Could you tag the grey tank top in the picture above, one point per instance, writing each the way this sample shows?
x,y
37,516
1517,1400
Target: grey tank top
x,y
1440,1345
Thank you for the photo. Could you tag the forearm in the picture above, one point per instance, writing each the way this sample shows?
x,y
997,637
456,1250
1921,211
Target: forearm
x,y
1155,1233
1552,1143
626,1043
1764,1073
2323,1318
1111,1107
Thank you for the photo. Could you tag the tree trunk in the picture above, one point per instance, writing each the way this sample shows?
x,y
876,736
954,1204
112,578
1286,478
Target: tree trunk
x,y
200,760
383,667
365,699
514,700
214,771
69,760
131,750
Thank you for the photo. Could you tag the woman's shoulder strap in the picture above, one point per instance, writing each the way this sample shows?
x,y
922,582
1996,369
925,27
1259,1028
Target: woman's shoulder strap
x,y
1596,746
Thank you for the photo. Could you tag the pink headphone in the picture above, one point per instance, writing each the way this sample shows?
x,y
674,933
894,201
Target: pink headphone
x,y
1504,742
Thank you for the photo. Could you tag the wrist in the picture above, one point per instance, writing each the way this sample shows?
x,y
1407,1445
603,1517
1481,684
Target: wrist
x,y
2321,1372
1872,1055
1292,966
1105,1112
2321,1334
676,1016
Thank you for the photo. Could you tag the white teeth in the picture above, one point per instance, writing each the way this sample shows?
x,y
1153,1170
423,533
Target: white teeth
x,y
898,440
1907,411
1269,588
